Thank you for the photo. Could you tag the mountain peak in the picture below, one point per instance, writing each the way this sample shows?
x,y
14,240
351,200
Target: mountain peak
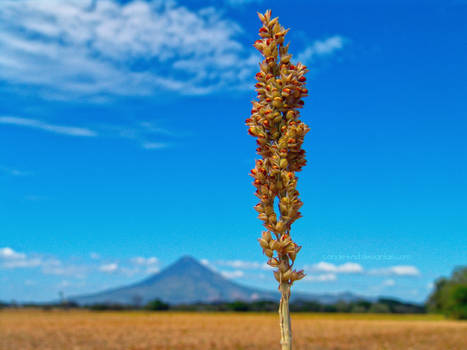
x,y
186,281
187,259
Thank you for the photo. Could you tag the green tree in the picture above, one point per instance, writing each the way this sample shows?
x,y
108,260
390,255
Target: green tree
x,y
434,303
379,308
455,301
157,305
449,295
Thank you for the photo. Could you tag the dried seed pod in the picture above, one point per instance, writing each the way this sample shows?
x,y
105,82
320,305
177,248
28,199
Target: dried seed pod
x,y
273,262
275,123
263,243
268,252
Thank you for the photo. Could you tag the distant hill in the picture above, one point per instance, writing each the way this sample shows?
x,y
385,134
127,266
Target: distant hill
x,y
187,281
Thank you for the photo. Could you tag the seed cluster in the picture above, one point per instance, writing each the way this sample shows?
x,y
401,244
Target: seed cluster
x,y
274,121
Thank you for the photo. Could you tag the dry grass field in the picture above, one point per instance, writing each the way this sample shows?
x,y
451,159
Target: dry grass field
x,y
82,330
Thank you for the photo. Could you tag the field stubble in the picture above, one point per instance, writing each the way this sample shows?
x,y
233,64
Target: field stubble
x,y
82,330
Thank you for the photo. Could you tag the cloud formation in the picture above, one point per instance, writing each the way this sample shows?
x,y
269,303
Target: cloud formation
x,y
143,133
11,259
243,264
96,49
7,253
109,268
139,260
346,268
327,277
233,274
320,48
57,129
398,270
13,171
321,271
87,48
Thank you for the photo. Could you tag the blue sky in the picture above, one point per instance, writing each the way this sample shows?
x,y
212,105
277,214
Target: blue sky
x,y
123,144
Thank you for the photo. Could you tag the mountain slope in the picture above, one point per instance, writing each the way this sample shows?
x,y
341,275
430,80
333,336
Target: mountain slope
x,y
187,281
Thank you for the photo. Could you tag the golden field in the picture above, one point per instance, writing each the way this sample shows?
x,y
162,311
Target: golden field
x,y
84,330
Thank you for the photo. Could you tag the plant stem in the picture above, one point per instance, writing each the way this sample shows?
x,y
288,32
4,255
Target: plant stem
x,y
284,317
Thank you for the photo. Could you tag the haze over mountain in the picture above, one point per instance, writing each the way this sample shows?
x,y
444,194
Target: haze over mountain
x,y
188,281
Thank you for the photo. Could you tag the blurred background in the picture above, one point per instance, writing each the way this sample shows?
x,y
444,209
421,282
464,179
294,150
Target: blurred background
x,y
123,145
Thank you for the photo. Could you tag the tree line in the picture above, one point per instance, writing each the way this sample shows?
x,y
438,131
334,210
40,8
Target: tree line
x,y
382,305
449,297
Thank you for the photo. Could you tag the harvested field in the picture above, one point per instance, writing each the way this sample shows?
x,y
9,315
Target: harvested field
x,y
83,330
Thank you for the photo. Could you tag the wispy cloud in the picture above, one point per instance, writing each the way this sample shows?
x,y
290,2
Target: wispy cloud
x,y
354,268
243,264
398,270
327,277
12,259
389,283
57,129
233,274
154,145
8,253
242,2
13,171
109,268
58,268
150,264
143,133
95,49
94,256
139,260
89,48
148,135
346,268
321,48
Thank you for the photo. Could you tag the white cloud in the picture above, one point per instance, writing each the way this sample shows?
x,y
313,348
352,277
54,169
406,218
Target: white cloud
x,y
22,263
90,48
151,264
347,268
244,265
94,256
8,253
109,268
13,172
128,271
143,133
37,124
60,269
139,260
398,270
354,268
64,284
233,274
327,277
320,48
11,259
154,145
389,283
152,269
242,2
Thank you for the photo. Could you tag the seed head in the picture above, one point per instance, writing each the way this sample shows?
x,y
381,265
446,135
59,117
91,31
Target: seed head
x,y
275,122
